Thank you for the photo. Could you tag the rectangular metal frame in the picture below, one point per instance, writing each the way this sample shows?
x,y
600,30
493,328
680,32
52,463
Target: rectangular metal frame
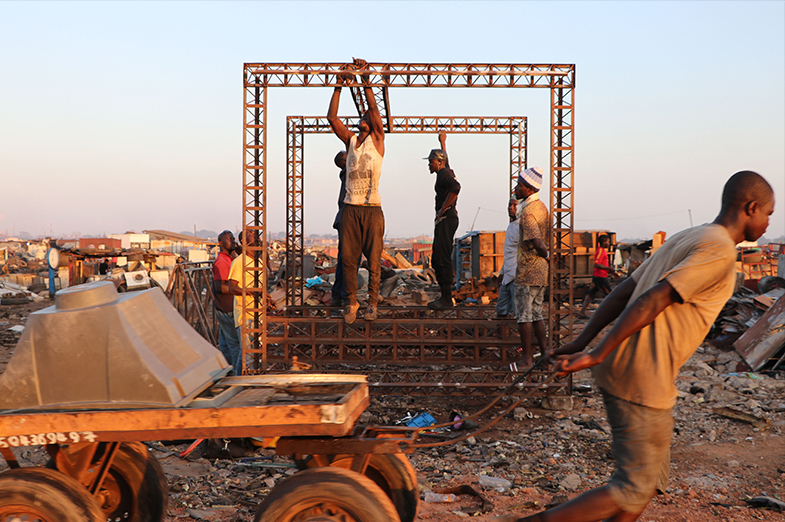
x,y
559,78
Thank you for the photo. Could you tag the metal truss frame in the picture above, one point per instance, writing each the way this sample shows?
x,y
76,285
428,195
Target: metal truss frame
x,y
463,351
297,126
559,78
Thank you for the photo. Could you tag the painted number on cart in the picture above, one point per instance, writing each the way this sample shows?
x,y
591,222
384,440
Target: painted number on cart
x,y
42,439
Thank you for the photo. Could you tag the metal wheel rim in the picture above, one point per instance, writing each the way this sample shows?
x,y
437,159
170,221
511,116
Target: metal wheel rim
x,y
20,513
111,498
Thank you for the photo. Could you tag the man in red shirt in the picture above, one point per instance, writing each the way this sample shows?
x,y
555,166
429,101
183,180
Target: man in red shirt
x,y
599,278
228,341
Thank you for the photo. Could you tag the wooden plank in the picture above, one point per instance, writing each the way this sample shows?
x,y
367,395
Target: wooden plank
x,y
297,418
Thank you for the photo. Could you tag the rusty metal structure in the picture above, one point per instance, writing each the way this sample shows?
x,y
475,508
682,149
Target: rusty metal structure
x,y
263,336
190,291
298,126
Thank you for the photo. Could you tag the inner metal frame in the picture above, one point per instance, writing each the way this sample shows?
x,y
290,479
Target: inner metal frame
x,y
298,126
558,78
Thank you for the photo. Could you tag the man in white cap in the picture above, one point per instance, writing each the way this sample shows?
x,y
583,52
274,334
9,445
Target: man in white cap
x,y
531,278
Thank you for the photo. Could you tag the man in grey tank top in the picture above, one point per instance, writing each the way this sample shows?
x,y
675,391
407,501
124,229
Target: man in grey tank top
x,y
362,221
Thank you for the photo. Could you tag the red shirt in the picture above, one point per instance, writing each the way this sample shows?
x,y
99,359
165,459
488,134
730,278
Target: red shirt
x,y
224,302
221,266
601,257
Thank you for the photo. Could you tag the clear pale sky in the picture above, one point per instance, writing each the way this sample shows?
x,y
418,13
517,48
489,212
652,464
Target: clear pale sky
x,y
119,116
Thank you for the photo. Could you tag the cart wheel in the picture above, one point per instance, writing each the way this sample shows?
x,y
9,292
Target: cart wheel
x,y
327,495
393,473
135,488
45,495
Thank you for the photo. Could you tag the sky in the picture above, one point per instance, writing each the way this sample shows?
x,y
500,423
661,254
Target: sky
x,y
120,116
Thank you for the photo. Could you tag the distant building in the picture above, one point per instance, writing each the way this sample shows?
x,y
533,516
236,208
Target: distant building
x,y
181,244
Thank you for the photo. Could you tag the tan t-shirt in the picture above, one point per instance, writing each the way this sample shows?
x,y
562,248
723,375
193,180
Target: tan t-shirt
x,y
699,263
236,274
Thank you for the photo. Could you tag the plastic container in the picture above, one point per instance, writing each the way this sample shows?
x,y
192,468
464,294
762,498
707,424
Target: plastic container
x,y
421,420
433,498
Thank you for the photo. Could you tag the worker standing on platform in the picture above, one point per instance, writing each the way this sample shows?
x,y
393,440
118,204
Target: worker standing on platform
x,y
362,220
662,312
505,304
445,223
531,278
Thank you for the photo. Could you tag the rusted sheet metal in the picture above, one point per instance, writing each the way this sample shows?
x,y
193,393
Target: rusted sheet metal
x,y
765,338
296,409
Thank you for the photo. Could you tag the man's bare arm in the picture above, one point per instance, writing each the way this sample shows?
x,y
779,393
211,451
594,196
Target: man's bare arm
x,y
539,247
336,124
641,313
610,308
374,117
443,146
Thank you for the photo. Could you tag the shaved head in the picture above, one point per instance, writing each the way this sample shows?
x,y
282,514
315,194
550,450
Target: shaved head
x,y
743,187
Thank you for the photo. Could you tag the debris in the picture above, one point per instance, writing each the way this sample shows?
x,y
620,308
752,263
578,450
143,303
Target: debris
x,y
499,484
485,505
420,297
732,413
767,503
521,414
571,482
431,497
765,338
421,420
402,262
316,280
556,402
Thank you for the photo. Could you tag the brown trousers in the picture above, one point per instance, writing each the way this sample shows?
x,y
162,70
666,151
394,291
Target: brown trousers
x,y
362,232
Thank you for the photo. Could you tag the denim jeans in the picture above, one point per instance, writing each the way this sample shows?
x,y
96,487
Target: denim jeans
x,y
228,339
505,304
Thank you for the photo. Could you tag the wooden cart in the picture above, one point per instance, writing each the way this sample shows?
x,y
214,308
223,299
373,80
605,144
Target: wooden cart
x,y
99,470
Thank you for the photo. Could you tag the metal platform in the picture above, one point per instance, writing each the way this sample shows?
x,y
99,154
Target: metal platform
x,y
414,350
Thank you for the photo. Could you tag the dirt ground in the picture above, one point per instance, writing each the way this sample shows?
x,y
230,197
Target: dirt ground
x,y
548,456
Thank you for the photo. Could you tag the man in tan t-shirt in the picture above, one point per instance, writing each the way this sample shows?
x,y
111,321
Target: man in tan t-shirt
x,y
664,312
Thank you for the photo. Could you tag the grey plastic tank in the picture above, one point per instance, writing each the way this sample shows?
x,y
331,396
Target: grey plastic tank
x,y
96,348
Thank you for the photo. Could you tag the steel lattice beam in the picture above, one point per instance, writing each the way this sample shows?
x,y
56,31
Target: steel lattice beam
x,y
546,76
561,204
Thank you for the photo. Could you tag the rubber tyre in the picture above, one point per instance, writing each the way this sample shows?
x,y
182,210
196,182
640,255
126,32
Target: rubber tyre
x,y
136,486
327,494
45,495
769,283
146,480
397,478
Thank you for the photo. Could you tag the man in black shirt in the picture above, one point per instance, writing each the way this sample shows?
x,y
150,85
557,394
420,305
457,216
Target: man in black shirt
x,y
446,222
